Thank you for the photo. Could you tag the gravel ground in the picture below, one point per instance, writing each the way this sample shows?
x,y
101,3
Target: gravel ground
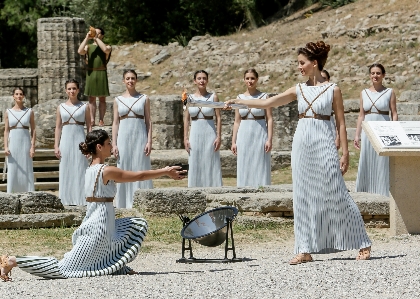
x,y
393,272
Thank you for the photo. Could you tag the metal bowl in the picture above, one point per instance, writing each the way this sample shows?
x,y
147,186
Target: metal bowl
x,y
209,228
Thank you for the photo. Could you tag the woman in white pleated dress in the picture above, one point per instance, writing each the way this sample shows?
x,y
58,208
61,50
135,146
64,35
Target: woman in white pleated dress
x,y
19,145
203,141
252,137
102,245
375,104
326,218
131,137
69,132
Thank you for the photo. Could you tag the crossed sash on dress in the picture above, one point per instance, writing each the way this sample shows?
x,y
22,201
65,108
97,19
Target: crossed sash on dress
x,y
130,109
80,123
374,102
250,112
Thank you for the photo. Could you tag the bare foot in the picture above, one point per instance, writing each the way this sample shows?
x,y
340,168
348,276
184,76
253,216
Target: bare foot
x,y
101,123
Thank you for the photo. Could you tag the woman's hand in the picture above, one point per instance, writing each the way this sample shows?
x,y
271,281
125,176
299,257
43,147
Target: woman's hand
x,y
6,151
228,103
268,146
187,145
148,149
57,152
234,149
175,172
115,151
356,142
32,151
344,164
217,144
88,36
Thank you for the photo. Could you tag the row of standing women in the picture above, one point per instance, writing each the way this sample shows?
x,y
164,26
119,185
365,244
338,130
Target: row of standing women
x,y
326,219
251,140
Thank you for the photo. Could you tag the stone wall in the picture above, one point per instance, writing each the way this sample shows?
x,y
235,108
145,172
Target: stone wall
x,y
58,60
269,201
24,78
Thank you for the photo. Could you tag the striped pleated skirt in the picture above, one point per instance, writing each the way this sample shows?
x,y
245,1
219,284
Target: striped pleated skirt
x,y
326,219
102,245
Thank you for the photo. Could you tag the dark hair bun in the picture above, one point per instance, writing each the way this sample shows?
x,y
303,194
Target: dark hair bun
x,y
84,148
316,51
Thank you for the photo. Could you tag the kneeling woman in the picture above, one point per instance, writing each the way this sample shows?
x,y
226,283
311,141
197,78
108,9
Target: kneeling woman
x,y
102,245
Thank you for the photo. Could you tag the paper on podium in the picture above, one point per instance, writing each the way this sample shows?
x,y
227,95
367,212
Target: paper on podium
x,y
189,102
396,134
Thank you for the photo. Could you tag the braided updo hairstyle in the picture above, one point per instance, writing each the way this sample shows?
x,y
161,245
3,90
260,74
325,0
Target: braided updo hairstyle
x,y
316,51
92,139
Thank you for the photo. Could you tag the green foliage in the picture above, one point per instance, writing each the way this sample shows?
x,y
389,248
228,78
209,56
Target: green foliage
x,y
128,21
18,36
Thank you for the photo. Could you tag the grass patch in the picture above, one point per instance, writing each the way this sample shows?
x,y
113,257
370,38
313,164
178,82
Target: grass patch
x,y
164,233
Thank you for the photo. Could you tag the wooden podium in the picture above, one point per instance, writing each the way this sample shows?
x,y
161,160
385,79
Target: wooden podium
x,y
404,177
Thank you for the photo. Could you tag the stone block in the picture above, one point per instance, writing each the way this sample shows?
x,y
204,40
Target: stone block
x,y
409,96
9,203
166,109
351,119
408,108
25,221
262,202
351,106
167,136
170,201
162,56
371,204
39,202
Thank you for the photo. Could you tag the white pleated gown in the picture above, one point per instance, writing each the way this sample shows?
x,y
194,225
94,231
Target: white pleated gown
x,y
20,170
73,163
102,245
253,163
131,141
373,171
326,218
204,163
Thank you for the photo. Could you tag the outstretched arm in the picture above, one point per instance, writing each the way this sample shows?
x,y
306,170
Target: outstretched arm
x,y
123,176
278,100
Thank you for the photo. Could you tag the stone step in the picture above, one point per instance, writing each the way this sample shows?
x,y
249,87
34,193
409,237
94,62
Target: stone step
x,y
38,186
268,201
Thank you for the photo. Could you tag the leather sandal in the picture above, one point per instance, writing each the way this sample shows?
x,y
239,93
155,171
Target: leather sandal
x,y
5,268
364,254
301,258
